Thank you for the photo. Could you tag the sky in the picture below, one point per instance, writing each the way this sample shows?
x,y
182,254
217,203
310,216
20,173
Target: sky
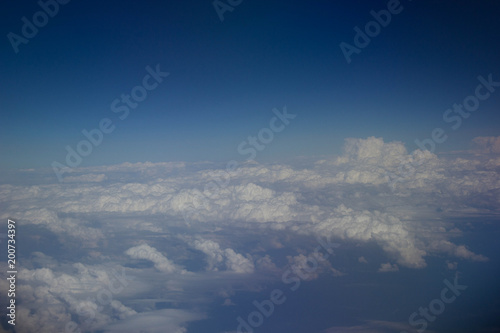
x,y
232,166
226,77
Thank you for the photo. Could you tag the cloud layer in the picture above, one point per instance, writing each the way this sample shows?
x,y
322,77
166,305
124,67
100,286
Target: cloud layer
x,y
172,216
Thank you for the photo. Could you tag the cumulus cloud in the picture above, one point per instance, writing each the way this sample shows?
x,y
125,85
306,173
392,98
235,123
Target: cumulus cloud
x,y
67,228
54,298
459,251
311,266
388,267
362,260
487,144
392,234
372,161
376,193
160,262
227,258
266,264
371,151
367,194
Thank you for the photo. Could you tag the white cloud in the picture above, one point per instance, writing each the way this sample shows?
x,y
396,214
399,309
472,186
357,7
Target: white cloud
x,y
388,267
348,197
375,193
389,231
161,262
459,251
217,257
52,298
451,265
311,266
487,144
266,264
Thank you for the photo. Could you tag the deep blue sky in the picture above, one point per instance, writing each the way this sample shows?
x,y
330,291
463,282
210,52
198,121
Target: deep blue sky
x,y
226,77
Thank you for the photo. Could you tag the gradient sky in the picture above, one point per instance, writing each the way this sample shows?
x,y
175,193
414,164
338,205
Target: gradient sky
x,y
201,241
226,77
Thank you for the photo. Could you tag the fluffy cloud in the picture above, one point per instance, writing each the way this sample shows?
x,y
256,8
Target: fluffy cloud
x,y
67,228
52,298
488,144
388,267
228,258
459,251
266,264
161,262
311,266
370,193
374,193
389,231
